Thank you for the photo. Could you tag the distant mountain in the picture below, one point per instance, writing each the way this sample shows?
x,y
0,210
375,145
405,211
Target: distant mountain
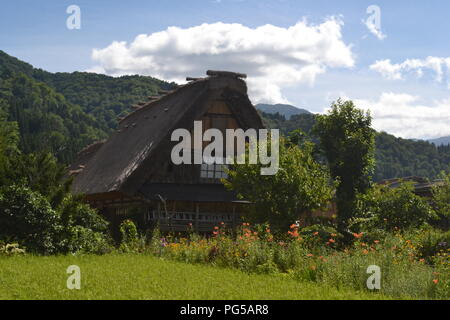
x,y
285,110
443,141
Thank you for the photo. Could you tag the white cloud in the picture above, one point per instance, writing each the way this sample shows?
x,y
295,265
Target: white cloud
x,y
273,57
397,71
405,116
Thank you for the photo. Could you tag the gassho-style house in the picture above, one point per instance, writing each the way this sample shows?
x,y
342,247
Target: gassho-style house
x,y
131,174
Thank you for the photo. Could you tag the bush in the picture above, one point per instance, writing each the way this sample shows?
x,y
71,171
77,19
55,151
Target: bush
x,y
26,217
130,237
78,239
392,209
76,213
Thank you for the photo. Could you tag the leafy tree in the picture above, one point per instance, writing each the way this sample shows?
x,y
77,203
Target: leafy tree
x,y
300,186
347,141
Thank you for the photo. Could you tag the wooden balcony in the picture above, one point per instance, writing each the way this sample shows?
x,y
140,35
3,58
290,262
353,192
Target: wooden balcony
x,y
177,221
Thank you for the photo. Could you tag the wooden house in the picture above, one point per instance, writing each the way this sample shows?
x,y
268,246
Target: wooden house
x,y
131,174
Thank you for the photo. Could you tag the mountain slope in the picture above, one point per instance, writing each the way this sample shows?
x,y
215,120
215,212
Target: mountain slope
x,y
104,97
64,112
285,110
46,120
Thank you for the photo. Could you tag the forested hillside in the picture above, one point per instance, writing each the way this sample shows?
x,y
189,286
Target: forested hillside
x,y
64,112
395,157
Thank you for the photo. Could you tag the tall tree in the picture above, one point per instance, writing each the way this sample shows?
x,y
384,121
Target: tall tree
x,y
347,141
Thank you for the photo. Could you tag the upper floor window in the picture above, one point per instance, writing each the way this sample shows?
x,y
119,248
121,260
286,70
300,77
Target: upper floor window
x,y
213,171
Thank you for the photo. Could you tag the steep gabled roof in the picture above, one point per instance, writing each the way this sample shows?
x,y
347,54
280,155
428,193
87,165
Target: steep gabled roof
x,y
120,162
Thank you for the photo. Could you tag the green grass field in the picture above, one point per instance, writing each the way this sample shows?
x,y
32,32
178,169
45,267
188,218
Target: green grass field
x,y
128,276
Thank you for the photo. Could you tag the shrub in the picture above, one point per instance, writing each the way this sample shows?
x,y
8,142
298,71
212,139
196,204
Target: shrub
x,y
78,239
76,213
26,217
392,209
130,237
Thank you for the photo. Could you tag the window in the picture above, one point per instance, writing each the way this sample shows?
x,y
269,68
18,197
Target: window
x,y
213,171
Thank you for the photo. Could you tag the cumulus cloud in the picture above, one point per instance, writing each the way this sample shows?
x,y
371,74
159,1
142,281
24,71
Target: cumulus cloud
x,y
397,71
405,116
273,57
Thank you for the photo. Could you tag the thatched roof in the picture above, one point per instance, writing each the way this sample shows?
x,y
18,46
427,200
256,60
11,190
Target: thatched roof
x,y
122,163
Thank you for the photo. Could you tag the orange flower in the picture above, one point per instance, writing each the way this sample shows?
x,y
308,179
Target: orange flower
x,y
333,234
216,228
435,281
293,226
215,233
332,240
365,251
268,230
376,241
315,233
358,235
310,255
294,234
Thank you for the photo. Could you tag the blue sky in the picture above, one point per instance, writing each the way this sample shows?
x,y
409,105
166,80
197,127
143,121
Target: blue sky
x,y
406,95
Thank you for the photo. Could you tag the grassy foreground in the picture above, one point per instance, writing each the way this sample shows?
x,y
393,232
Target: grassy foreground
x,y
132,276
